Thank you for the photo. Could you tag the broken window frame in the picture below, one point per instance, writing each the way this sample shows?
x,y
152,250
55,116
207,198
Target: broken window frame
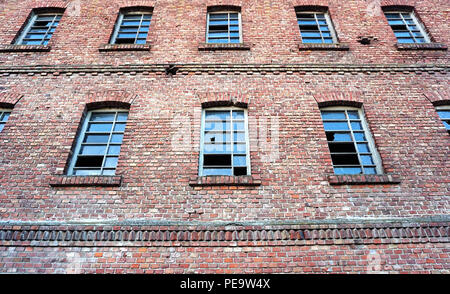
x,y
119,25
365,131
329,24
228,12
3,113
441,108
417,23
231,141
31,25
98,170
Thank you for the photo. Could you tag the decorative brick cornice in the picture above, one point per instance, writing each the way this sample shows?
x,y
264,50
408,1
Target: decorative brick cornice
x,y
363,179
8,100
229,235
237,69
24,48
85,181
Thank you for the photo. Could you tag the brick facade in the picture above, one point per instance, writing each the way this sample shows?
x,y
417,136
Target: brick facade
x,y
292,214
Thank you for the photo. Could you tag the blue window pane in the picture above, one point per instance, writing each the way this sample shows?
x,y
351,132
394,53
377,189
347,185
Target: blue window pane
x,y
34,36
217,172
114,150
359,137
406,41
402,34
328,115
116,138
5,116
109,172
126,36
328,40
102,117
218,16
216,148
335,126
238,126
238,115
444,114
347,170
446,124
217,115
32,42
218,41
353,114
239,148
339,137
93,150
366,160
111,161
130,23
214,137
312,41
239,160
96,139
308,34
239,137
122,116
356,125
99,127
218,22
119,127
234,40
87,172
1,127
218,35
140,41
363,148
370,170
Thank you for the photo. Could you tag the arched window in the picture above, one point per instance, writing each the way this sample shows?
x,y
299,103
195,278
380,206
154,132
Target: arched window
x,y
40,27
98,144
315,25
224,142
132,26
351,145
224,25
405,24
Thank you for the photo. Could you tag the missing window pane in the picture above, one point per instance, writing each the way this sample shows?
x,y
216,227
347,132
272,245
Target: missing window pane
x,y
89,161
217,160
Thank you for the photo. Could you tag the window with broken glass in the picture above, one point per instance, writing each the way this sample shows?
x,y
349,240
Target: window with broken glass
x,y
224,27
224,143
444,115
316,28
4,115
98,146
39,29
132,28
351,145
406,27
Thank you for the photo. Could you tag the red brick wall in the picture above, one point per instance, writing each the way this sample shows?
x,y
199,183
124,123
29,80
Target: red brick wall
x,y
282,88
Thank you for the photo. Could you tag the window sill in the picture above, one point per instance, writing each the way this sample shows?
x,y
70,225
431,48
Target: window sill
x,y
363,179
214,46
25,48
85,181
323,47
425,46
124,47
225,181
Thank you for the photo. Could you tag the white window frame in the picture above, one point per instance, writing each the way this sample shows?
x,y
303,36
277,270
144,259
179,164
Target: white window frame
x,y
370,141
229,38
82,134
329,24
2,112
416,22
443,107
31,22
120,20
247,141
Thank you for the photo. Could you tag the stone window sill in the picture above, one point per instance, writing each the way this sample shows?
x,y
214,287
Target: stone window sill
x,y
214,46
225,181
124,47
25,48
425,46
363,179
85,181
323,47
